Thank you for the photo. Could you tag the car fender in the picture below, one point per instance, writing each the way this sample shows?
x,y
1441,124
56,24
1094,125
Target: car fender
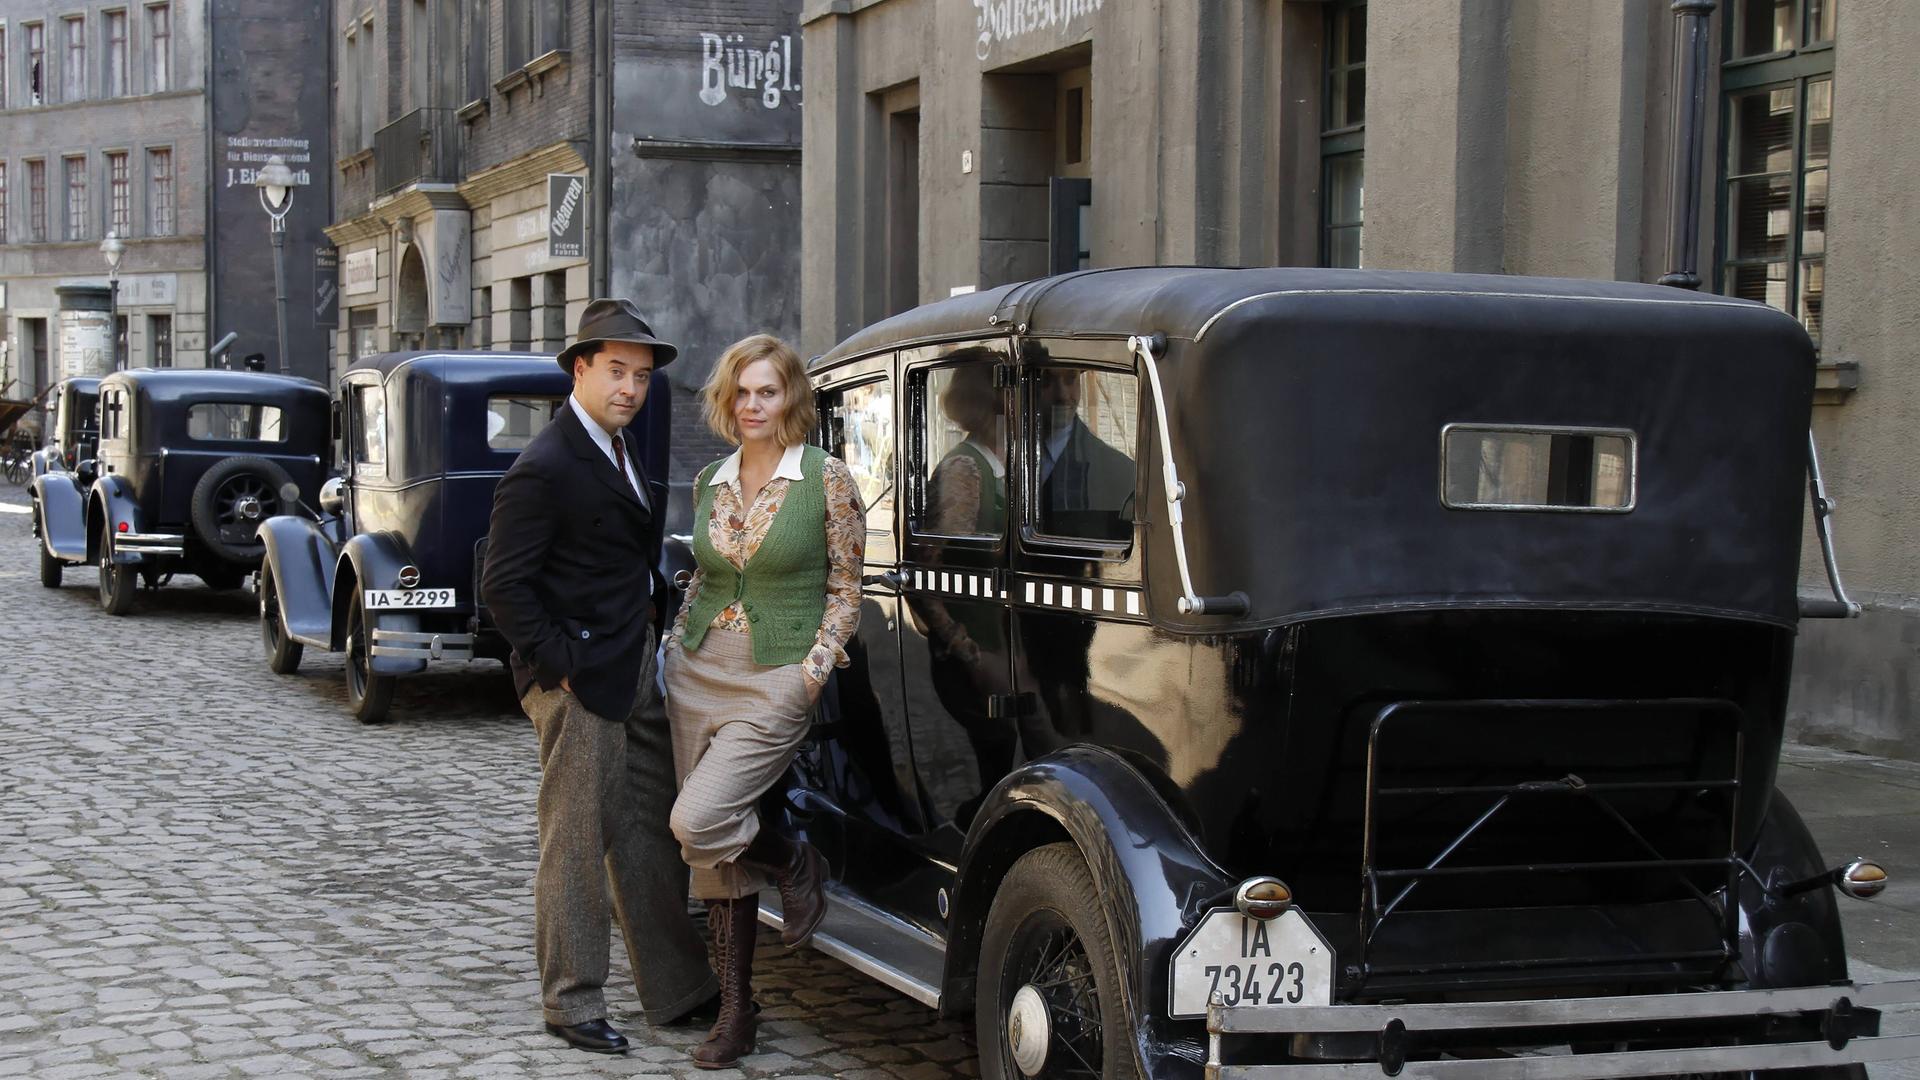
x,y
302,562
372,561
111,501
1150,871
63,517
1789,940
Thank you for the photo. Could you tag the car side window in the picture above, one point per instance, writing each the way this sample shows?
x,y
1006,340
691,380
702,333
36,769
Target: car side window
x,y
111,410
959,420
1082,425
370,430
856,426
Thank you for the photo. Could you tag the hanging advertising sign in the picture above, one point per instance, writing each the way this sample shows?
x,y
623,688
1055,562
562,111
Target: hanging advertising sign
x,y
566,216
326,287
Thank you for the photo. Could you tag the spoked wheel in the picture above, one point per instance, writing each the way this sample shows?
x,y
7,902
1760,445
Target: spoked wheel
x,y
241,504
1049,1004
283,653
368,694
117,583
231,501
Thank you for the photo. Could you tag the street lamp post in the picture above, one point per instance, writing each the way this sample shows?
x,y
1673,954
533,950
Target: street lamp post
x,y
113,249
276,197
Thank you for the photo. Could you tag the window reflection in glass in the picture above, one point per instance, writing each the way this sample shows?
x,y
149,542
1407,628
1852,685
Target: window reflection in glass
x,y
512,422
1537,469
235,421
370,434
857,427
1084,424
965,451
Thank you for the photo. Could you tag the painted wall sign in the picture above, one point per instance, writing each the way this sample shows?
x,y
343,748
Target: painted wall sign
x,y
1005,20
566,216
728,63
326,288
149,290
268,97
362,272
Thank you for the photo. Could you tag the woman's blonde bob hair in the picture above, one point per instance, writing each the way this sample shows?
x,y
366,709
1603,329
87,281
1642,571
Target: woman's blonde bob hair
x,y
796,421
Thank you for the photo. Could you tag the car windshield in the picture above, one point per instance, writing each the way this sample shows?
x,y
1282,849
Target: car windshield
x,y
513,420
230,421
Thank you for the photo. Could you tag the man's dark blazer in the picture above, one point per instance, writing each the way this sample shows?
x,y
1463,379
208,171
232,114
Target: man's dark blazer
x,y
570,578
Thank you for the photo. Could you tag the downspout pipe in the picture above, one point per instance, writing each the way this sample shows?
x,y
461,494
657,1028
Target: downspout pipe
x,y
599,190
1693,39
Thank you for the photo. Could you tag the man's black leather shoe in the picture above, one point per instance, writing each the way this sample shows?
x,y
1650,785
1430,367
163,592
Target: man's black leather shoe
x,y
594,1036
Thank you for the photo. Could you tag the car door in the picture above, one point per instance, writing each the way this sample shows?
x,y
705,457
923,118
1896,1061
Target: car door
x,y
368,498
954,635
856,786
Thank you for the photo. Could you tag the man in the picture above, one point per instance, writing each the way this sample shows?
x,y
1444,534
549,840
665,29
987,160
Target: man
x,y
1086,486
569,581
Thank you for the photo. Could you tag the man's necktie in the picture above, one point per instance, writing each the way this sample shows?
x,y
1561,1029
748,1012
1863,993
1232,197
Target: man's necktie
x,y
620,458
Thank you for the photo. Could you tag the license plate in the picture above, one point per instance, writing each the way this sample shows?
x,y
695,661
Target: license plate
x,y
412,599
1248,962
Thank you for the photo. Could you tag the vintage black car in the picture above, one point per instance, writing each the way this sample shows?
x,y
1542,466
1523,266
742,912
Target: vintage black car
x,y
188,464
388,572
1442,729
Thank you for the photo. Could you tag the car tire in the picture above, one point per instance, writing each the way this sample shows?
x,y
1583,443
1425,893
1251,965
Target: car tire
x,y
1045,954
223,580
222,519
368,694
283,653
50,567
117,583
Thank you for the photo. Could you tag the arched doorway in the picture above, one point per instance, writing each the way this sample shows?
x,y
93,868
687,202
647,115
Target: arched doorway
x,y
410,300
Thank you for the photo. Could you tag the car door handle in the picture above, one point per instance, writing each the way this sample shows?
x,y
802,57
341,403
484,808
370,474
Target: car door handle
x,y
893,579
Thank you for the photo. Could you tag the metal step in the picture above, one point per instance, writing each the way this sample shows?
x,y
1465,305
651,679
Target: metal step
x,y
873,943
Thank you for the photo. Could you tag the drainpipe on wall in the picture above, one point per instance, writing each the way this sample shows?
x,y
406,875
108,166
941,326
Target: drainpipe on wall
x,y
1692,40
600,164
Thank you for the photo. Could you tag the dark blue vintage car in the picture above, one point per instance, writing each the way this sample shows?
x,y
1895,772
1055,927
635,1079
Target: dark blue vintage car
x,y
188,464
71,426
1284,673
388,572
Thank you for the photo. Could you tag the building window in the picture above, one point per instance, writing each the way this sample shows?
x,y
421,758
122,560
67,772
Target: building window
x,y
116,81
1343,137
370,81
36,63
160,340
1777,120
159,48
3,202
520,314
483,318
73,34
3,66
519,41
119,201
160,192
76,178
36,202
348,95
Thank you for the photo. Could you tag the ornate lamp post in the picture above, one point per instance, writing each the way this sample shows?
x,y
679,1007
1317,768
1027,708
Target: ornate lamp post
x,y
113,250
276,197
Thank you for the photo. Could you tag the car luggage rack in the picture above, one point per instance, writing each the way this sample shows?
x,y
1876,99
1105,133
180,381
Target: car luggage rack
x,y
1376,909
1831,1025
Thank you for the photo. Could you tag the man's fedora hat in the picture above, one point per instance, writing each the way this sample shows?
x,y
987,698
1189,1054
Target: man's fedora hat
x,y
615,320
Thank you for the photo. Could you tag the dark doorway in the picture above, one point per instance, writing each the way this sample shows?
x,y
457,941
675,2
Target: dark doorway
x,y
903,210
1068,242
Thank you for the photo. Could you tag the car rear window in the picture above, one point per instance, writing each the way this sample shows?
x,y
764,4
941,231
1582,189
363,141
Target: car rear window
x,y
235,421
1489,467
513,420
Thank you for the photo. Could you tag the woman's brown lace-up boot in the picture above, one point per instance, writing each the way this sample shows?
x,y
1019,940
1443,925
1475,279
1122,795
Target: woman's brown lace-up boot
x,y
797,867
731,924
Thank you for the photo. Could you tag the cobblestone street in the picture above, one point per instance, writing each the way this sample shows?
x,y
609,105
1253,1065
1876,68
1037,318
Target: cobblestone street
x,y
210,871
207,870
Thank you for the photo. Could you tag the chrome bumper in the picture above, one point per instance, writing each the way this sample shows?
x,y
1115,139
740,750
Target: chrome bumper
x,y
1396,1028
416,645
133,543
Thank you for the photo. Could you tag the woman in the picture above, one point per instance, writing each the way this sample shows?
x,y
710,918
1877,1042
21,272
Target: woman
x,y
778,535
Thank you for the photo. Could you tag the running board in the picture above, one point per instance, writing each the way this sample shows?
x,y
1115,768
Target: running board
x,y
875,944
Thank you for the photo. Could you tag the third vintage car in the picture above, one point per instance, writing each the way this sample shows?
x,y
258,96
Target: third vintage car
x,y
1293,673
188,464
388,570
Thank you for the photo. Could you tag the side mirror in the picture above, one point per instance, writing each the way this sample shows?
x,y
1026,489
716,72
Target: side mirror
x,y
87,469
333,496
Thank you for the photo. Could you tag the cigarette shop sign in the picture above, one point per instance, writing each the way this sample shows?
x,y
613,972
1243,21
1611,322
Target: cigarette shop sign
x,y
360,272
566,216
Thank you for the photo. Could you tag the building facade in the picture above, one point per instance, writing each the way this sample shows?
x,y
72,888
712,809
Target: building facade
x,y
952,146
103,128
116,119
501,162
